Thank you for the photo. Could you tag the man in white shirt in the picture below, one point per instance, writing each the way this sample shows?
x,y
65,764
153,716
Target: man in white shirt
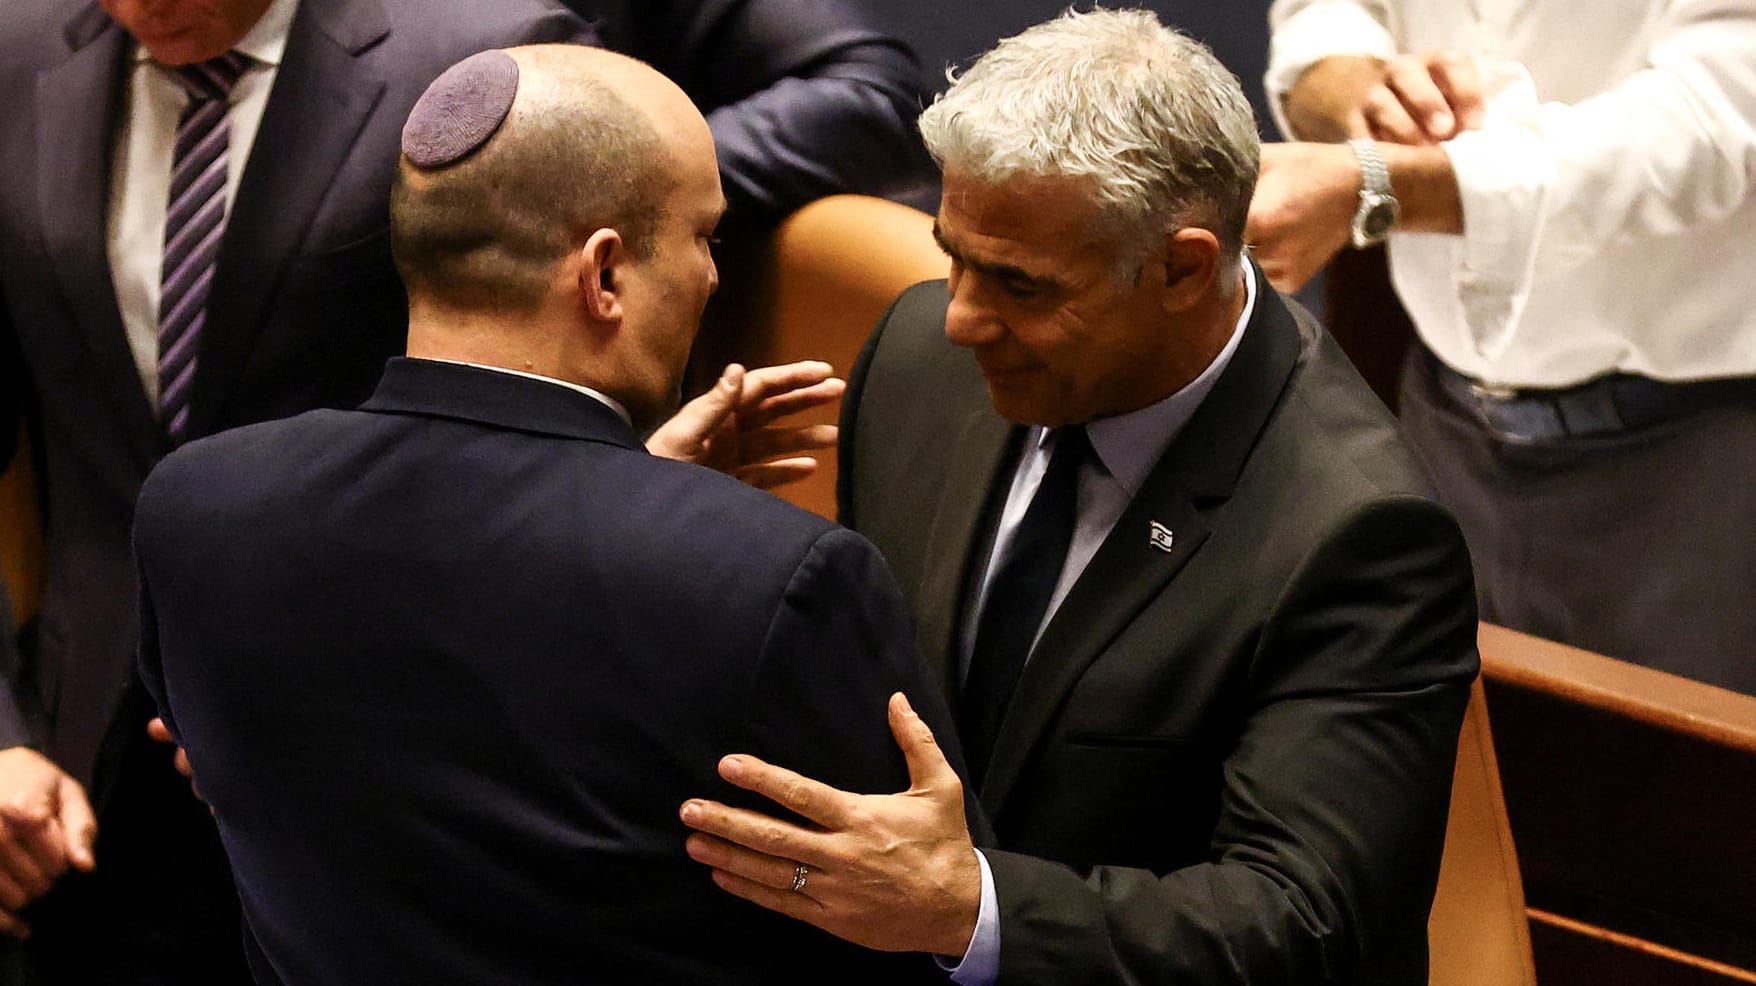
x,y
1574,236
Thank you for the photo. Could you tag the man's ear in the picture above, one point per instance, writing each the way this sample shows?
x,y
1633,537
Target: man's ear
x,y
602,269
1190,264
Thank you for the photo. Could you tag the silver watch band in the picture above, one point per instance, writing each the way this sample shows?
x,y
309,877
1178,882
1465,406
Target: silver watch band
x,y
1374,173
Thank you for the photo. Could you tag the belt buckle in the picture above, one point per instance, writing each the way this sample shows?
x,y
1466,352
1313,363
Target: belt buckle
x,y
1491,392
1516,417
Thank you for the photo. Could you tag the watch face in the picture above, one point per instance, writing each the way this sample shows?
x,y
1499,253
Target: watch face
x,y
1379,219
1373,221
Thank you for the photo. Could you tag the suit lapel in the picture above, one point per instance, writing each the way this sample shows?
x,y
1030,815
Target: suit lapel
x,y
322,96
979,458
1183,492
73,176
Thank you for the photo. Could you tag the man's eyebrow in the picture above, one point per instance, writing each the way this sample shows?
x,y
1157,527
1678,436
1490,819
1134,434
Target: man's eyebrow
x,y
984,268
939,238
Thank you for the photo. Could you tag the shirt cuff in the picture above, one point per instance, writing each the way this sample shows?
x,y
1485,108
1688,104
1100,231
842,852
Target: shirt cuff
x,y
981,960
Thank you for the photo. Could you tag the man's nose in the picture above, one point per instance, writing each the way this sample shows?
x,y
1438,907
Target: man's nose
x,y
969,319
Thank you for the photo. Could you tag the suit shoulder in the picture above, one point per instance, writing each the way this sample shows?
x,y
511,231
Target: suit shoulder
x,y
35,34
700,498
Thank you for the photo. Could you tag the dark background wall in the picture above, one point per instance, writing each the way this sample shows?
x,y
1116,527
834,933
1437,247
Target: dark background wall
x,y
950,32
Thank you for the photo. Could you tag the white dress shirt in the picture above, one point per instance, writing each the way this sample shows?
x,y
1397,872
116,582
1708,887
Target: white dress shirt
x,y
140,173
1126,448
1609,223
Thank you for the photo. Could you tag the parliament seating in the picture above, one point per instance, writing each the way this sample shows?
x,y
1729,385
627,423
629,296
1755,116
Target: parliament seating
x,y
813,291
1632,798
21,538
1476,931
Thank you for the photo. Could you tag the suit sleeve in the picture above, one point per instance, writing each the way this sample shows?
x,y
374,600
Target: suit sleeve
x,y
1333,798
805,98
839,645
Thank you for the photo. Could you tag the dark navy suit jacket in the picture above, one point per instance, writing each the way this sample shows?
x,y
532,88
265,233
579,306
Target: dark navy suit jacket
x,y
448,665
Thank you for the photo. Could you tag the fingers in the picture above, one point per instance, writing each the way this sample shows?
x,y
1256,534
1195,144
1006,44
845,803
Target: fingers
x,y
687,431
814,800
1389,119
13,925
1426,98
775,441
767,381
793,905
1460,80
754,831
770,871
928,770
773,475
1411,78
21,877
156,728
79,825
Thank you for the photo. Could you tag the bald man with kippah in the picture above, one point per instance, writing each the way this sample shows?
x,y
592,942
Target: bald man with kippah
x,y
445,665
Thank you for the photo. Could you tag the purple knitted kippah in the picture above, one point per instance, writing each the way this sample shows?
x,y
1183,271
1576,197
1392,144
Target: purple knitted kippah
x,y
460,110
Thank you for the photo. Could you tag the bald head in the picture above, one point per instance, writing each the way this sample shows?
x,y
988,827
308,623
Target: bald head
x,y
515,158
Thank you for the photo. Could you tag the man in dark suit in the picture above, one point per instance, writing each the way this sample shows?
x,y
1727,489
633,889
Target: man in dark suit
x,y
445,664
287,262
1208,639
301,309
806,98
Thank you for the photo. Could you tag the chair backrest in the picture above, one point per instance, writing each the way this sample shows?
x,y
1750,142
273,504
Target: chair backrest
x,y
1632,794
1477,933
813,291
21,536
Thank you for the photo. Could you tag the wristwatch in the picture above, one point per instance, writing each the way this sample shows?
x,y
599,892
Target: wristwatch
x,y
1378,206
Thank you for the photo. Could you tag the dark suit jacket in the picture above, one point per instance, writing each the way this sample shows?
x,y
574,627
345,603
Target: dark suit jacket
x,y
448,666
304,310
806,98
1224,763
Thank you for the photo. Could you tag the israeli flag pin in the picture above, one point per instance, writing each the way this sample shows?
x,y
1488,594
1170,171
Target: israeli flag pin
x,y
1161,537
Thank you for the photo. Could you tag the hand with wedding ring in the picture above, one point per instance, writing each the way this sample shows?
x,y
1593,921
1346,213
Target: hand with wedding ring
x,y
893,872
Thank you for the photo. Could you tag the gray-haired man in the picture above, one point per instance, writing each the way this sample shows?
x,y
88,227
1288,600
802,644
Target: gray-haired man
x,y
1207,637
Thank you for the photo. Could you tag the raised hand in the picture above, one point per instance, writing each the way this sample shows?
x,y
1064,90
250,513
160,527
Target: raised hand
x,y
732,428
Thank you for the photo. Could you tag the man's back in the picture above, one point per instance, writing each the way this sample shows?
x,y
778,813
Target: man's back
x,y
447,666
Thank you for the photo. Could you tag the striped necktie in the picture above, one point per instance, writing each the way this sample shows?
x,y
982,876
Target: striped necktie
x,y
195,217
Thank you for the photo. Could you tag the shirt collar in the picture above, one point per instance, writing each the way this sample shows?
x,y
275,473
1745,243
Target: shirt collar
x,y
596,395
1129,444
266,40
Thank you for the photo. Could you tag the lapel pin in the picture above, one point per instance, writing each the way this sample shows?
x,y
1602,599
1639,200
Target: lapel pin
x,y
1161,537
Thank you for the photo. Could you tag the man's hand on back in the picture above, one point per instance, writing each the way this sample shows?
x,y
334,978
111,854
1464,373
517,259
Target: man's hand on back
x,y
893,872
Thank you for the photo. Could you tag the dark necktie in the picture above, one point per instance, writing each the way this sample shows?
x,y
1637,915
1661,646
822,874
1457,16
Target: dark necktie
x,y
1018,596
195,216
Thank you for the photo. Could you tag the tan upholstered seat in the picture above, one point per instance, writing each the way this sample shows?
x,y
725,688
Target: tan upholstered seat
x,y
814,291
1477,931
21,536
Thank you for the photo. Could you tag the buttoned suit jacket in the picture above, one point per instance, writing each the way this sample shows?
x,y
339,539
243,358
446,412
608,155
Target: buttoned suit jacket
x,y
447,667
304,308
1228,759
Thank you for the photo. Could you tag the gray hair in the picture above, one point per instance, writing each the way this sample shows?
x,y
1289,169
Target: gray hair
x,y
1146,115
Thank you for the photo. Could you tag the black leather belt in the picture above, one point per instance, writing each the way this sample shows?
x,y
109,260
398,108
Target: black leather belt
x,y
1608,405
